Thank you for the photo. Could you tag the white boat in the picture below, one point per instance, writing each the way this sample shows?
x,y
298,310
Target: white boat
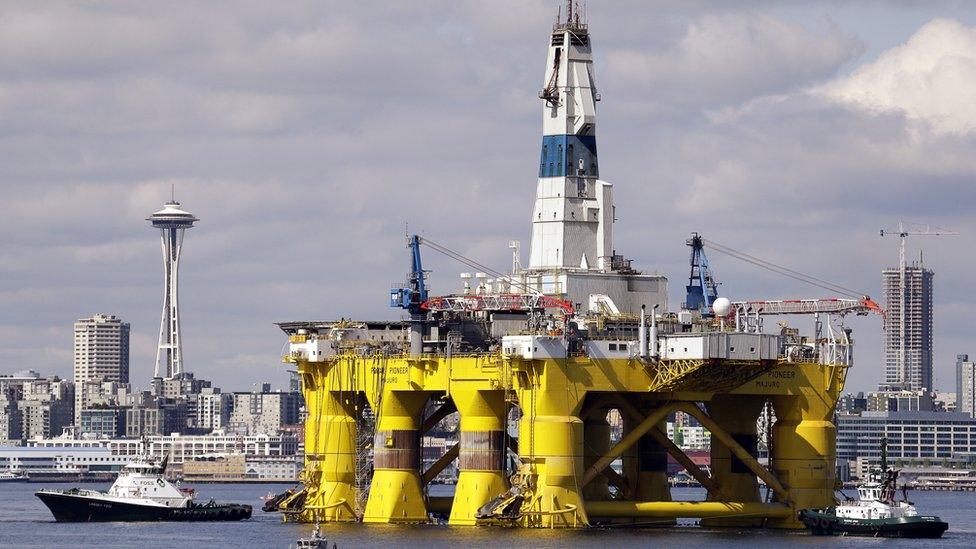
x,y
315,541
874,513
140,493
13,476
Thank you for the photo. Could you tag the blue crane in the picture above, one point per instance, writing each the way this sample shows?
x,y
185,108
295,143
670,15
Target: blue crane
x,y
702,288
412,296
414,293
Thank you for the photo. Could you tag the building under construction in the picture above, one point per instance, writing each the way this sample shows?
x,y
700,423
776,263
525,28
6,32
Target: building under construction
x,y
555,347
908,332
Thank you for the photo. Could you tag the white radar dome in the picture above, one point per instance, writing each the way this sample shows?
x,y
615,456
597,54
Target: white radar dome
x,y
722,306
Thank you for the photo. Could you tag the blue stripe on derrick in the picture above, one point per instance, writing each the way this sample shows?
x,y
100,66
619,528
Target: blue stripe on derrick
x,y
561,155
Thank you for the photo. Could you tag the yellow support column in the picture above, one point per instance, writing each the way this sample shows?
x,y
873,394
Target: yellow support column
x,y
596,443
481,460
551,447
652,467
396,495
804,443
737,416
330,447
629,459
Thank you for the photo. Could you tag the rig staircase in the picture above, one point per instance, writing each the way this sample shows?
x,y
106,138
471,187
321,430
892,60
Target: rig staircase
x,y
365,428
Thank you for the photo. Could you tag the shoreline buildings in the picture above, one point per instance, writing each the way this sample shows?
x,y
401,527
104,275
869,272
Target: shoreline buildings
x,y
922,427
259,458
83,429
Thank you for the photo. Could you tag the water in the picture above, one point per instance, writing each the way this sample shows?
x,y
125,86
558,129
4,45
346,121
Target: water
x,y
25,522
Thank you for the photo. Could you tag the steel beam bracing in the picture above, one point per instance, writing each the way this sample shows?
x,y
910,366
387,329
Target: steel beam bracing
x,y
441,464
687,509
748,459
672,449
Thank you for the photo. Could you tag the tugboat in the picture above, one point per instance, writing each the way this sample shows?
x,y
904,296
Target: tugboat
x,y
140,493
875,513
315,541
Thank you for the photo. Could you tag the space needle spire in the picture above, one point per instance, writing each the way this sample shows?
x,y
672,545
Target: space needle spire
x,y
172,222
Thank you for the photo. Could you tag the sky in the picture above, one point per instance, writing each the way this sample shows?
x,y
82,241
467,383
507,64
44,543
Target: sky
x,y
309,136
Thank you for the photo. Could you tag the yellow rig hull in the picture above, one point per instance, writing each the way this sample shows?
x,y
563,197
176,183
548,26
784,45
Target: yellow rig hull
x,y
564,443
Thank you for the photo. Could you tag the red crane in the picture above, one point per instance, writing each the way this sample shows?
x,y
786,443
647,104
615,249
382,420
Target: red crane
x,y
832,305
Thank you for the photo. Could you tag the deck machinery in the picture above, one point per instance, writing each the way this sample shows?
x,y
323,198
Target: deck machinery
x,y
556,347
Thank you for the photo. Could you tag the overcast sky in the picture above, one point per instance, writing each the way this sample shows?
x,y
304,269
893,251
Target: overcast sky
x,y
305,135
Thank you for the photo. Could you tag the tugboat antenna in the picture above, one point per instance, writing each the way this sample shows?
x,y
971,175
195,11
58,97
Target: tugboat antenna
x,y
884,454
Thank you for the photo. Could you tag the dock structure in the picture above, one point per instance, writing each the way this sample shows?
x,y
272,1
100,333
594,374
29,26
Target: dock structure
x,y
556,347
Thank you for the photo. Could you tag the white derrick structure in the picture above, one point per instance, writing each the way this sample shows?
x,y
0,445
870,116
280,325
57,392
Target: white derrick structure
x,y
172,222
573,216
571,255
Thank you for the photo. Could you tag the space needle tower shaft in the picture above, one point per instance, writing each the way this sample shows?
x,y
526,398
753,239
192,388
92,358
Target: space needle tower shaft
x,y
172,222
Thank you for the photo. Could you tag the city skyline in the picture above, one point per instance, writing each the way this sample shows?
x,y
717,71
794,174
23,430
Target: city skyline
x,y
279,210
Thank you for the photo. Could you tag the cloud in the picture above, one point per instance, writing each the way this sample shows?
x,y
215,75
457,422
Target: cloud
x,y
931,79
726,58
802,179
305,135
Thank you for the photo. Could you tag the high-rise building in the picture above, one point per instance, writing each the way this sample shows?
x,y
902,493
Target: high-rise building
x,y
172,222
46,404
180,385
107,422
263,411
141,421
11,418
165,416
908,329
965,385
101,353
213,409
47,414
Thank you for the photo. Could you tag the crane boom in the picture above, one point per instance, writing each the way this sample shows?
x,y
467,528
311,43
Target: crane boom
x,y
903,232
702,290
414,296
409,296
497,302
831,305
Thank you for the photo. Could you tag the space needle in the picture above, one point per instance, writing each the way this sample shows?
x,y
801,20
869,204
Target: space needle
x,y
172,222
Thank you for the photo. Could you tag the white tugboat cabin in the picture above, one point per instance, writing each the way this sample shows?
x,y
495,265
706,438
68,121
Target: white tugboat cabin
x,y
875,501
144,480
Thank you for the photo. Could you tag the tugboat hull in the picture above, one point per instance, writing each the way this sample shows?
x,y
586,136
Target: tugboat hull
x,y
68,507
827,524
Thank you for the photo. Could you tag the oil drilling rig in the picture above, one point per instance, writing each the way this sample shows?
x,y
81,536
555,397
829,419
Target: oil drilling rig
x,y
577,333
